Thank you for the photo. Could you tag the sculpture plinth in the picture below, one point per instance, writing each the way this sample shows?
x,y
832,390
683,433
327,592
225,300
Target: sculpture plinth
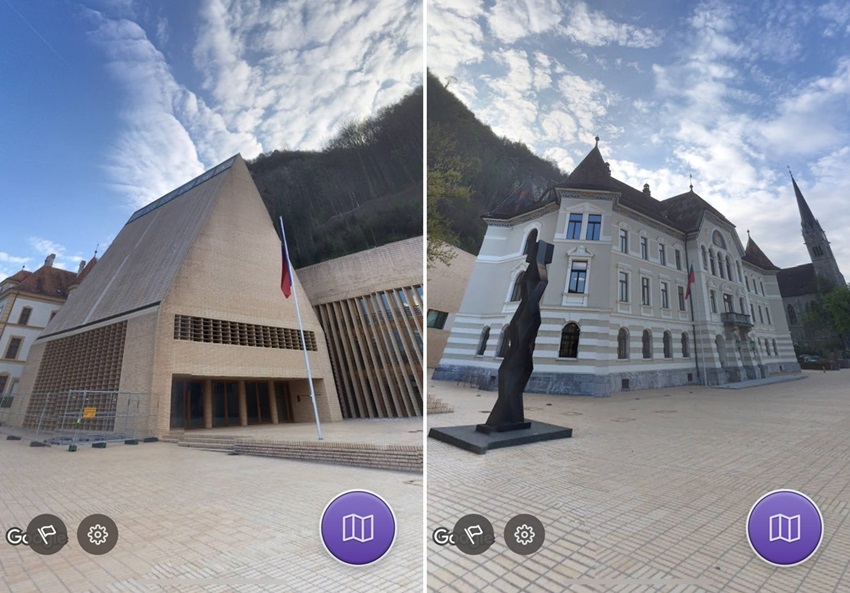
x,y
506,426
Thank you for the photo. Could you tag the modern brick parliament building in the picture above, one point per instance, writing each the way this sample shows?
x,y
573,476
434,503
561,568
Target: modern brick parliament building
x,y
185,309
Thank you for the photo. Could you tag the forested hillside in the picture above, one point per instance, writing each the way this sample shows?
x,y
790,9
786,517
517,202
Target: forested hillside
x,y
363,190
470,169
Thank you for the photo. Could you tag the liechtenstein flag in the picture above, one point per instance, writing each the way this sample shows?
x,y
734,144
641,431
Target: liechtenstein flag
x,y
286,272
691,279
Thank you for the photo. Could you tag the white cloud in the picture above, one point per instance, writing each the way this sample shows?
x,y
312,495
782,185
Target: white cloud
x,y
510,20
593,28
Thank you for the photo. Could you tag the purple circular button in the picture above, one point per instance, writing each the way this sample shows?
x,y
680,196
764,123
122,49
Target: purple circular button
x,y
785,527
357,527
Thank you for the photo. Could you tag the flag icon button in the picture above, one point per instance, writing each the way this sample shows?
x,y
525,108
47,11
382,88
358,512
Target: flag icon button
x,y
357,527
785,527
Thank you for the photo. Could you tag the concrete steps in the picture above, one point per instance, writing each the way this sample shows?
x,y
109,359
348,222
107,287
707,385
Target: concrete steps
x,y
222,444
438,406
406,458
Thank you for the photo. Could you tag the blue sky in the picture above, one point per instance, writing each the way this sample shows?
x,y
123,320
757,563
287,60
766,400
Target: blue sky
x,y
106,105
730,92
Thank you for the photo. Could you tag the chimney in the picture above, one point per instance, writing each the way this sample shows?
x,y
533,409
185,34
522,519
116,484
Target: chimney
x,y
82,265
646,190
48,261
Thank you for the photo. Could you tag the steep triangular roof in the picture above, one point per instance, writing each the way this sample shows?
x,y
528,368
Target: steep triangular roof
x,y
592,171
755,256
685,211
145,257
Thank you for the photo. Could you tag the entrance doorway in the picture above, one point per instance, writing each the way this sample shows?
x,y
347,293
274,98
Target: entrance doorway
x,y
187,404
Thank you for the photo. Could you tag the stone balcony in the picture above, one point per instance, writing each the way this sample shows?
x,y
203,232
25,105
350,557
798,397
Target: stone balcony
x,y
736,319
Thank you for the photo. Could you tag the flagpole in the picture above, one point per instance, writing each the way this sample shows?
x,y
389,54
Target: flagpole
x,y
301,329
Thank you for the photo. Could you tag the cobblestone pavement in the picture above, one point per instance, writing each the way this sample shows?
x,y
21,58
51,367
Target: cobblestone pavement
x,y
651,493
196,521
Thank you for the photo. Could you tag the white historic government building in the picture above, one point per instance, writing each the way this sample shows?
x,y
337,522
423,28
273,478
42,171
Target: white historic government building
x,y
615,314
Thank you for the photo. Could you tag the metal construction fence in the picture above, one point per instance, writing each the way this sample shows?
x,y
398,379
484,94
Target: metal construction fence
x,y
78,417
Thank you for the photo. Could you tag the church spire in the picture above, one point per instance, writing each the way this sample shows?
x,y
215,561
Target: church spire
x,y
807,219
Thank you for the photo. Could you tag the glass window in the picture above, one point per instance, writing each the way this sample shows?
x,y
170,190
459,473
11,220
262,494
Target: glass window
x,y
792,315
644,248
668,345
13,348
665,297
504,342
713,301
624,241
729,268
767,312
762,288
686,351
761,317
594,225
644,292
681,298
720,266
25,316
624,287
569,341
678,259
647,343
437,319
711,262
3,380
741,302
662,255
578,276
516,292
574,227
482,342
623,343
775,351
704,260
747,281
727,303
738,267
752,313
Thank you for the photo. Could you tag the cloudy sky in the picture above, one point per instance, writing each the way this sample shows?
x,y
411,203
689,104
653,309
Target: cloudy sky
x,y
729,92
105,105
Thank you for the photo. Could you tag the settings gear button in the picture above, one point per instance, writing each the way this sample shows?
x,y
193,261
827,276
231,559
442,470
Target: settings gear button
x,y
524,534
97,534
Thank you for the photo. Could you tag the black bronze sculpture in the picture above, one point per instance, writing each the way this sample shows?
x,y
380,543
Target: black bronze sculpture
x,y
516,368
506,426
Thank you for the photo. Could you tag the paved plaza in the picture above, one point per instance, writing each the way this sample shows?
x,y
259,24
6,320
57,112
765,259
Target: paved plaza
x,y
196,521
651,493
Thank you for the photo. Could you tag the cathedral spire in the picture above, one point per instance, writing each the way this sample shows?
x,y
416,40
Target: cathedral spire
x,y
807,219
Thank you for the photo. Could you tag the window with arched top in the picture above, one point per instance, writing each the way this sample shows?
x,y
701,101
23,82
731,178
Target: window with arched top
x,y
482,342
686,349
516,291
720,264
623,343
530,240
668,345
569,341
738,267
647,343
711,262
704,259
504,342
792,314
729,267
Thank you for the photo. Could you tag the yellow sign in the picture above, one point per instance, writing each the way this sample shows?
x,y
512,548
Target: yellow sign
x,y
89,412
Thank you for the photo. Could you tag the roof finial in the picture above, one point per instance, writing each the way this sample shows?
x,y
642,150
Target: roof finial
x,y
597,142
96,247
691,177
748,234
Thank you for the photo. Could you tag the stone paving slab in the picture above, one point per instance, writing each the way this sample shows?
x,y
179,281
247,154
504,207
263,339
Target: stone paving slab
x,y
651,493
196,522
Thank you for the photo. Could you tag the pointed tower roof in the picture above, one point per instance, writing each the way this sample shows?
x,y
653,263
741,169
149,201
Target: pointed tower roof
x,y
592,171
806,216
756,256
